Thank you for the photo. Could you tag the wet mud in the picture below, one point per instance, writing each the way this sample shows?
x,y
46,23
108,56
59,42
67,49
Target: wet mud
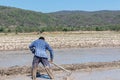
x,y
88,71
72,67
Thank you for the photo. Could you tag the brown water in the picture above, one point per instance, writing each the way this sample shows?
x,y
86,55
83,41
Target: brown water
x,y
112,74
98,75
62,56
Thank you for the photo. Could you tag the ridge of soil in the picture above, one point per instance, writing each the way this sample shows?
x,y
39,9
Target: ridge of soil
x,y
72,67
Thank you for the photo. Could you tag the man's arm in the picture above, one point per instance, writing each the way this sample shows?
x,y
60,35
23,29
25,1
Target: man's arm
x,y
51,52
32,48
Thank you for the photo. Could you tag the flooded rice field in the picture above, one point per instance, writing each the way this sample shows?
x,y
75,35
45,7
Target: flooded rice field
x,y
93,63
62,56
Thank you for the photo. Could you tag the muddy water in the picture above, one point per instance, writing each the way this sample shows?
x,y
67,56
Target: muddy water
x,y
62,56
98,75
112,74
85,55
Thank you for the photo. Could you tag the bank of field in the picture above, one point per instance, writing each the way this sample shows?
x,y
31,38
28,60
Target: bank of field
x,y
79,39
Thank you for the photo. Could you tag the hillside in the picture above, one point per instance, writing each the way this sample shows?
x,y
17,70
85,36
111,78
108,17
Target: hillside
x,y
84,18
15,19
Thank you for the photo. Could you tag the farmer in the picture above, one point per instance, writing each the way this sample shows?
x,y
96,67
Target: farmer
x,y
38,48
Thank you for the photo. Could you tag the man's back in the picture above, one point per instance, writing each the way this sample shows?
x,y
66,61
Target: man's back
x,y
40,47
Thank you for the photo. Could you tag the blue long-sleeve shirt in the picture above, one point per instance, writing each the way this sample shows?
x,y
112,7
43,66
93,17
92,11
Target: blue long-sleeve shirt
x,y
39,47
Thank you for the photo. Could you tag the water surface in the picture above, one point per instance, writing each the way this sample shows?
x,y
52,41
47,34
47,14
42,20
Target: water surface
x,y
98,75
62,56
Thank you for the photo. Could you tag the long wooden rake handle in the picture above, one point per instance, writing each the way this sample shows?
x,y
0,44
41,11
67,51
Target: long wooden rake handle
x,y
61,67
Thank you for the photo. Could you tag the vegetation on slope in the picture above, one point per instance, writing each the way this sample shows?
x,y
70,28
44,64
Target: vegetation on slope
x,y
19,20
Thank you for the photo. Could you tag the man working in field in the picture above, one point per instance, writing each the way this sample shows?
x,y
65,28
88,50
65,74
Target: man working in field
x,y
38,48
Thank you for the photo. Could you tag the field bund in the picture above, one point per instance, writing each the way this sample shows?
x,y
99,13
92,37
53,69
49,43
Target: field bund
x,y
79,39
71,67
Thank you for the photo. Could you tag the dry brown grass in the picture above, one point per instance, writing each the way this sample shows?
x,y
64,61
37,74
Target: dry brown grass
x,y
77,39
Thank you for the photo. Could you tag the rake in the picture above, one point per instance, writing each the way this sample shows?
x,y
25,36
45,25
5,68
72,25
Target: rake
x,y
62,68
